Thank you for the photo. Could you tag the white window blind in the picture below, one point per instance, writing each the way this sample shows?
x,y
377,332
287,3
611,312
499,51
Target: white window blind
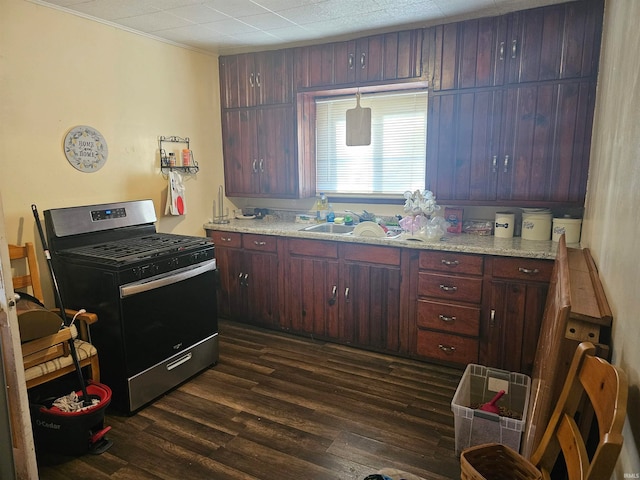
x,y
396,159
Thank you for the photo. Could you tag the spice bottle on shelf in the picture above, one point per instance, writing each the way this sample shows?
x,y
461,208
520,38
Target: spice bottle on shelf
x,y
186,157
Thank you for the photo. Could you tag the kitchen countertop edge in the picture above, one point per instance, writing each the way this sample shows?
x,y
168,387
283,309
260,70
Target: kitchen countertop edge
x,y
463,243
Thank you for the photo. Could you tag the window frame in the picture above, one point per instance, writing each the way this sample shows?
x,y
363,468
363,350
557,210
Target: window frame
x,y
306,126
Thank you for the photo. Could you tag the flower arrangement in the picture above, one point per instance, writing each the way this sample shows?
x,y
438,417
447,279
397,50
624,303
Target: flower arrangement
x,y
420,203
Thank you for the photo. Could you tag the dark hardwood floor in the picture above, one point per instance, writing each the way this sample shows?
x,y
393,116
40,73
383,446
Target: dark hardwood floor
x,y
281,407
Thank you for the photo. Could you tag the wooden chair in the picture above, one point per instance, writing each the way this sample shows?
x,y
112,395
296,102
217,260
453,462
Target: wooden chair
x,y
48,357
606,388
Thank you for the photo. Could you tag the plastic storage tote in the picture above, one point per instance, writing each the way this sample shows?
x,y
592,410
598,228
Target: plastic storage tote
x,y
479,385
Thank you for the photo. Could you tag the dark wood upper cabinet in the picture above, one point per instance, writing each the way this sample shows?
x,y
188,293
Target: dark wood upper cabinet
x,y
380,58
523,144
542,44
252,79
259,152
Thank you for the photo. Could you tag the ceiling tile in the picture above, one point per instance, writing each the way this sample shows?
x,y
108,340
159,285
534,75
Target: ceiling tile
x,y
154,22
223,26
198,13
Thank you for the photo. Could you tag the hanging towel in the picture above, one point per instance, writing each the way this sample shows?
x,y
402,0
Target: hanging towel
x,y
175,195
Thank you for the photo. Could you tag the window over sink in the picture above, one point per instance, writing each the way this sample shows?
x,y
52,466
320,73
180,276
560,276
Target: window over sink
x,y
396,159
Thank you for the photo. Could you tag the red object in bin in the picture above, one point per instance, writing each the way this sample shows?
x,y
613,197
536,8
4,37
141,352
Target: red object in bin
x,y
491,406
72,433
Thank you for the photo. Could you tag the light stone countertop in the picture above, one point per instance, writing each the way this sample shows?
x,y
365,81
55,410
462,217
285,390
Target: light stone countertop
x,y
464,243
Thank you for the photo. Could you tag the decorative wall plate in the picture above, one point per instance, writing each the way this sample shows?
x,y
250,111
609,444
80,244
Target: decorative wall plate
x,y
85,148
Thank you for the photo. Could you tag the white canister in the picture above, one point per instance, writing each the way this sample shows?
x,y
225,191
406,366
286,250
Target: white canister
x,y
503,226
569,226
536,226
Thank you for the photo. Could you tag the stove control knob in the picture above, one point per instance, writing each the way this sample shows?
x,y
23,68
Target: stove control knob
x,y
199,256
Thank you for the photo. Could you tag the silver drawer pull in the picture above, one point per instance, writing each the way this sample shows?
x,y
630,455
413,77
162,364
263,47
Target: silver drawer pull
x,y
528,271
450,263
448,349
448,288
179,362
225,239
446,318
259,244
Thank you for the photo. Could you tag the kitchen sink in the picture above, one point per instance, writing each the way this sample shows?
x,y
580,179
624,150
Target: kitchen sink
x,y
335,228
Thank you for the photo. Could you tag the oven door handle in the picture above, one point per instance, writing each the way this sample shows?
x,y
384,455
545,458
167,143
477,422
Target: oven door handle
x,y
168,279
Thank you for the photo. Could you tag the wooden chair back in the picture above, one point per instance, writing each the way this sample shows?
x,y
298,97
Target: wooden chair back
x,y
31,279
48,357
607,389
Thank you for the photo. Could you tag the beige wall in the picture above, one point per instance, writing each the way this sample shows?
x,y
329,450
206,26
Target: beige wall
x,y
612,223
57,71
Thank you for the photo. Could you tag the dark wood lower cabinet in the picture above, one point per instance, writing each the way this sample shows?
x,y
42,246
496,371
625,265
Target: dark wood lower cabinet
x,y
343,292
311,292
515,294
445,307
370,304
248,278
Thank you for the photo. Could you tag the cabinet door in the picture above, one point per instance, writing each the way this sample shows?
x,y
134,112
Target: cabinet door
x,y
262,288
389,57
470,54
544,150
370,296
261,279
463,140
312,297
252,79
273,77
370,308
512,312
230,265
555,42
239,143
513,327
276,152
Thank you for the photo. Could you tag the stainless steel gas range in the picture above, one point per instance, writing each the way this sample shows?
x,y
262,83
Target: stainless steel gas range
x,y
154,294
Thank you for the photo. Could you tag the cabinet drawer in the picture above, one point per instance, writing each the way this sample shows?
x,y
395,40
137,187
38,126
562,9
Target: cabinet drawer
x,y
446,347
450,287
312,248
522,269
451,262
369,254
456,319
264,243
226,239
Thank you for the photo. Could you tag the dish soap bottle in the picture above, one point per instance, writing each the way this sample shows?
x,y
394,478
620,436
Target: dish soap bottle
x,y
331,216
324,207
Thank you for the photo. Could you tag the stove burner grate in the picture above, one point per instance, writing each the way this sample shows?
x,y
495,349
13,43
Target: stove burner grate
x,y
137,248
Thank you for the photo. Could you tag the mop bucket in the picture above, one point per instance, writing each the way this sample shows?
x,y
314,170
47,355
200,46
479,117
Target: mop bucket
x,y
72,433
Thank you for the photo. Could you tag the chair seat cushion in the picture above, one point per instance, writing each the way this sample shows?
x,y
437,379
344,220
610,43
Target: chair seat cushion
x,y
84,349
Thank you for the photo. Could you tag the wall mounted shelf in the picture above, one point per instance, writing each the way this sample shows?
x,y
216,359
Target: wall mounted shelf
x,y
166,162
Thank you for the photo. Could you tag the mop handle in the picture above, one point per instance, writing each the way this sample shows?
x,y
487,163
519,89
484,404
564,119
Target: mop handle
x,y
63,312
47,254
